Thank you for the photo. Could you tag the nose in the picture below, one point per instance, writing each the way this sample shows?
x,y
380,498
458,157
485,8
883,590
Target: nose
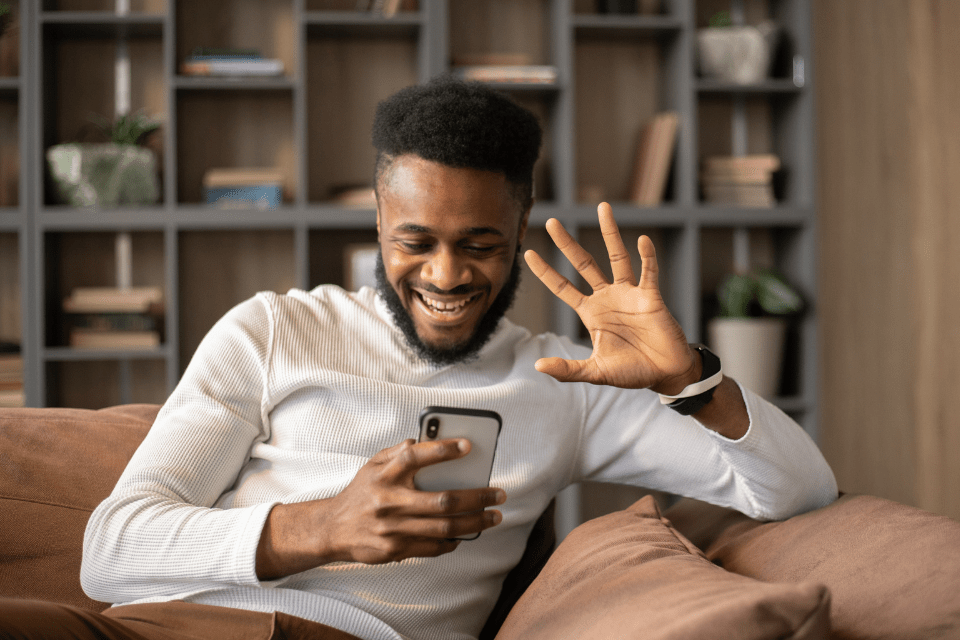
x,y
445,270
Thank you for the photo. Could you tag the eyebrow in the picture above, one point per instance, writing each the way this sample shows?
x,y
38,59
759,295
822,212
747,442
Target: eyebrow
x,y
469,231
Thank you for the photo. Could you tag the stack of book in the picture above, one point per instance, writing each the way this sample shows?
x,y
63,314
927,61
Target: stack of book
x,y
230,62
386,8
658,138
11,375
508,74
112,318
249,188
745,181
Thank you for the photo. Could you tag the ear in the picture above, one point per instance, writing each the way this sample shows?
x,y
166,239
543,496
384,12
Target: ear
x,y
524,219
378,214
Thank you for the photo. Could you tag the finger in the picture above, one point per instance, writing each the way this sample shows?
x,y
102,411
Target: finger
x,y
619,258
408,457
650,271
446,528
579,257
560,286
565,370
432,504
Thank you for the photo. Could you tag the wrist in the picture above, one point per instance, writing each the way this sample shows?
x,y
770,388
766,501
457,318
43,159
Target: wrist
x,y
691,375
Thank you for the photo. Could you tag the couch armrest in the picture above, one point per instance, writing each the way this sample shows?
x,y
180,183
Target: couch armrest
x,y
57,466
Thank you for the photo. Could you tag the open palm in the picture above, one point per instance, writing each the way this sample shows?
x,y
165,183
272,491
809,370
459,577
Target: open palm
x,y
637,343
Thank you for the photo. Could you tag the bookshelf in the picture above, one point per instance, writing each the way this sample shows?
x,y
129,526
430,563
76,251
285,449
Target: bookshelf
x,y
312,124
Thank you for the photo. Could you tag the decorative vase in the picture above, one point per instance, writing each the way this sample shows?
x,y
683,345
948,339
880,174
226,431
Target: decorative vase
x,y
104,175
737,54
750,350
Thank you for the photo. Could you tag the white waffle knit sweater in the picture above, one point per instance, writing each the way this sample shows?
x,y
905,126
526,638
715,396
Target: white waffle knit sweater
x,y
289,395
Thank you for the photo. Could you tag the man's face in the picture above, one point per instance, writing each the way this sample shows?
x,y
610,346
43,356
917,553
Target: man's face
x,y
449,239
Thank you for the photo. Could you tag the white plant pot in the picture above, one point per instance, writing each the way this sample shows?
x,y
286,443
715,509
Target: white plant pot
x,y
736,54
750,351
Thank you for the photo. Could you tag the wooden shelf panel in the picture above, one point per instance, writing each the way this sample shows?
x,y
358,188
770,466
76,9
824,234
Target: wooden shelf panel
x,y
69,354
622,26
774,86
361,24
9,87
102,24
234,83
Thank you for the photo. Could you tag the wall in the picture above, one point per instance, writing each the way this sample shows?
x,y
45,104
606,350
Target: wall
x,y
888,86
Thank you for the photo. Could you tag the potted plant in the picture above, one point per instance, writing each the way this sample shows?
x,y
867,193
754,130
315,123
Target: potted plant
x,y
749,333
741,54
108,174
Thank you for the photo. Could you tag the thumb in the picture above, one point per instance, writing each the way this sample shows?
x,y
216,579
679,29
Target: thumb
x,y
562,370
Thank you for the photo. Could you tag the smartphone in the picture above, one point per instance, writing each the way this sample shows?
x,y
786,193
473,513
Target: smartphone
x,y
480,427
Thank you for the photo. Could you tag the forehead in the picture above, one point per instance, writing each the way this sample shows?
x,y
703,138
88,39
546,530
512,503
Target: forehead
x,y
426,194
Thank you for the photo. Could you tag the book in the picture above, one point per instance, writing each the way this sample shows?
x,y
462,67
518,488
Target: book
x,y
232,67
488,58
243,188
657,140
241,177
740,180
756,162
96,339
12,398
112,299
11,368
390,8
208,61
743,195
355,197
511,74
253,197
116,321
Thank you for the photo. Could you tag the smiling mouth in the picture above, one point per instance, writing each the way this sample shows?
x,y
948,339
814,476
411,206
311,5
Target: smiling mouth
x,y
446,308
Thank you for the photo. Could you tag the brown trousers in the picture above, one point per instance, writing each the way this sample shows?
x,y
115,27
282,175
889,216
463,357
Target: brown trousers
x,y
36,620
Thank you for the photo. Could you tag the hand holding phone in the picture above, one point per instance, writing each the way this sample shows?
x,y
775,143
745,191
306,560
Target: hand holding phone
x,y
472,471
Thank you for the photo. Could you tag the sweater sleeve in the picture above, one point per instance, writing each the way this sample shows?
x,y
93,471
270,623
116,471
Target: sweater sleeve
x,y
158,534
773,472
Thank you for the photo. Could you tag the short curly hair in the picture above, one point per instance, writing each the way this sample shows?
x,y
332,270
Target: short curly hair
x,y
459,124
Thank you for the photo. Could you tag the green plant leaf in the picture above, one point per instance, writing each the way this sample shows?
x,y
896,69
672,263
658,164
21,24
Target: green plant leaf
x,y
738,291
775,295
735,294
721,19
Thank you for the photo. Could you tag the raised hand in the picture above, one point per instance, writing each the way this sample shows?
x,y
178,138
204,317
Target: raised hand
x,y
637,343
379,517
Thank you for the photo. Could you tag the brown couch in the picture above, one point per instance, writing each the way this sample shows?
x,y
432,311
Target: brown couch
x,y
860,569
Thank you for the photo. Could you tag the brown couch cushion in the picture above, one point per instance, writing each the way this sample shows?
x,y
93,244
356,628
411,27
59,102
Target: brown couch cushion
x,y
631,575
893,571
57,465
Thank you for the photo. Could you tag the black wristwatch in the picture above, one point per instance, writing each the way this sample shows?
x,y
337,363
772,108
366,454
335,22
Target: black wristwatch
x,y
711,374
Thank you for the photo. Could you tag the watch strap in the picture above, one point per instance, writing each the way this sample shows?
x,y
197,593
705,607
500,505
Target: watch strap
x,y
696,396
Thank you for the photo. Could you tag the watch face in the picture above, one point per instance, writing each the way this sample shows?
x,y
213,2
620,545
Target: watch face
x,y
711,363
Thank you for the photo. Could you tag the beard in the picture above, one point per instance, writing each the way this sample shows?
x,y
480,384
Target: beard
x,y
468,349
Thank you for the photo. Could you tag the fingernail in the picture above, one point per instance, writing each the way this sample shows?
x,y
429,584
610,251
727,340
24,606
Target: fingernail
x,y
497,517
500,496
463,446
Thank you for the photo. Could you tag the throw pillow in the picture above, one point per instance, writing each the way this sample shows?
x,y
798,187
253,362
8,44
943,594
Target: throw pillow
x,y
631,575
893,570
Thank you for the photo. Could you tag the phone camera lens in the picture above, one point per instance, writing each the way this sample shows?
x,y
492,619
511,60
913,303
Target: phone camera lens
x,y
433,426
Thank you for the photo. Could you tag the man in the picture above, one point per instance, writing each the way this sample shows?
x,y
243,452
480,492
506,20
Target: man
x,y
279,475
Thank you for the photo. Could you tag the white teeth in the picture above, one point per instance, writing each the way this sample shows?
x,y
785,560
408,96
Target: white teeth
x,y
440,305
